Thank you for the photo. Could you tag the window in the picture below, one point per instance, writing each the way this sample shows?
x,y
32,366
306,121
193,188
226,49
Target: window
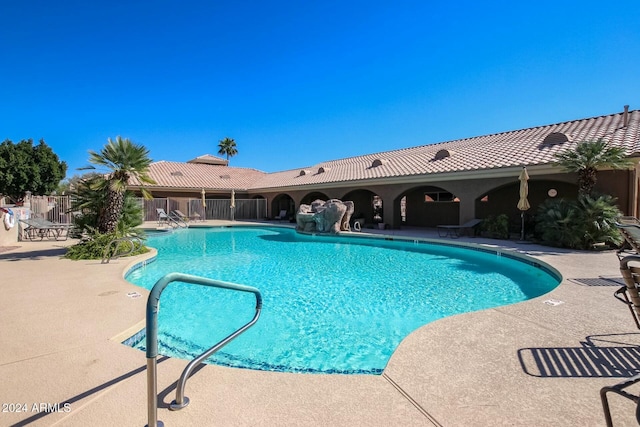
x,y
440,196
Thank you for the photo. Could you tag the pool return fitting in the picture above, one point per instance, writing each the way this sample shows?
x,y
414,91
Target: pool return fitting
x,y
153,304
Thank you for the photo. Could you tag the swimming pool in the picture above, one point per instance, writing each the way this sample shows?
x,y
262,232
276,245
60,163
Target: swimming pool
x,y
330,304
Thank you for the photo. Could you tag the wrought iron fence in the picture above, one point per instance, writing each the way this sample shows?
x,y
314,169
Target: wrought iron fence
x,y
52,208
245,209
57,208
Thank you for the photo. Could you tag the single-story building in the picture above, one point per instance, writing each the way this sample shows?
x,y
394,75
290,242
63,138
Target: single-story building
x,y
441,183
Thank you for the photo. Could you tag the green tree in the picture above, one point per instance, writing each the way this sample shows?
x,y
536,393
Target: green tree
x,y
589,156
70,185
86,204
124,160
227,147
25,167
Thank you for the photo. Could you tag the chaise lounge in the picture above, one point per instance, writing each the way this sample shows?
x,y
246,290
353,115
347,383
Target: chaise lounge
x,y
39,228
629,295
455,231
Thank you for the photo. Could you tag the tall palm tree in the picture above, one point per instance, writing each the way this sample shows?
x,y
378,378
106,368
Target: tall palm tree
x,y
125,160
227,146
589,156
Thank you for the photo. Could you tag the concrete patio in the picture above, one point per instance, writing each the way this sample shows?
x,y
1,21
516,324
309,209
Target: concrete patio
x,y
534,363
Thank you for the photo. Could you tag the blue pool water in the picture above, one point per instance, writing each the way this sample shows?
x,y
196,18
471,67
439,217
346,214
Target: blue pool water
x,y
331,304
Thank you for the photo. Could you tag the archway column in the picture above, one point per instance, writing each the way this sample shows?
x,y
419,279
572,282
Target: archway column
x,y
388,206
467,195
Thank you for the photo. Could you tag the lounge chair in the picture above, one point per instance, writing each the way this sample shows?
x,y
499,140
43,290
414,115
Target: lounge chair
x,y
170,219
628,294
626,220
38,228
455,231
163,218
619,389
631,234
283,215
178,214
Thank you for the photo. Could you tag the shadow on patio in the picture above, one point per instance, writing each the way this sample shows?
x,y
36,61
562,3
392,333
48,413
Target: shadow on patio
x,y
619,360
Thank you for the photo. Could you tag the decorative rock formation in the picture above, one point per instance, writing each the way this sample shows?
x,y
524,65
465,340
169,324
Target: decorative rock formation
x,y
331,216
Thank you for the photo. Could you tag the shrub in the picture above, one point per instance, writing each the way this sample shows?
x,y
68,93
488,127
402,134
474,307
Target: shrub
x,y
579,224
496,226
93,246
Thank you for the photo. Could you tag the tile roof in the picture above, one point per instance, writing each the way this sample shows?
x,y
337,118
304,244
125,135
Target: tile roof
x,y
532,146
200,175
507,149
210,160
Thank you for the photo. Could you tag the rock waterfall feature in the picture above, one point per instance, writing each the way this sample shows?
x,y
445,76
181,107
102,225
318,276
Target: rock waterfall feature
x,y
331,216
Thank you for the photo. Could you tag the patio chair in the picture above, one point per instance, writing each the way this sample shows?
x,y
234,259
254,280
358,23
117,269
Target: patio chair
x,y
282,216
39,228
170,219
628,220
455,231
163,218
631,234
178,214
628,293
619,389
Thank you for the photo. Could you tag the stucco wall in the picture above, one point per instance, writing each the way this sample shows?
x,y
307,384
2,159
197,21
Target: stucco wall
x,y
9,236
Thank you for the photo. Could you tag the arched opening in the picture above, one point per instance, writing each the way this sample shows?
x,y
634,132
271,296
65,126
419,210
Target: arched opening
x,y
367,206
306,200
504,200
283,205
427,206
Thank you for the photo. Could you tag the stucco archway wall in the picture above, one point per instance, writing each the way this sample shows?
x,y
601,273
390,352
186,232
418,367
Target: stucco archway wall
x,y
504,199
362,199
314,195
617,183
280,202
622,185
423,213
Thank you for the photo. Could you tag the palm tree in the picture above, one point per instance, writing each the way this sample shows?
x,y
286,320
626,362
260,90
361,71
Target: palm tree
x,y
589,156
125,160
227,146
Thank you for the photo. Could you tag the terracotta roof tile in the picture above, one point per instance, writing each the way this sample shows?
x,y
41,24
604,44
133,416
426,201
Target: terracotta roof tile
x,y
199,175
506,149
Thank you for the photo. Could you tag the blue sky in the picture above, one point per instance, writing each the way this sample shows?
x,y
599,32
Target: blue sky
x,y
296,83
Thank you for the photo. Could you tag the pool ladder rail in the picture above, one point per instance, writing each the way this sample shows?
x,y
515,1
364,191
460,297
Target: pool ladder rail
x,y
153,304
134,241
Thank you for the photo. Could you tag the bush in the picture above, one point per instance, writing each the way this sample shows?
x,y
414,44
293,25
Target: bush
x,y
496,226
579,224
94,245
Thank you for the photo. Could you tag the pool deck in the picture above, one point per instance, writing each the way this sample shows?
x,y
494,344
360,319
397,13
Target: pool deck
x,y
537,363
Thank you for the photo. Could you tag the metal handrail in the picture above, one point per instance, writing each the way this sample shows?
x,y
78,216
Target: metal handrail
x,y
179,221
153,304
105,255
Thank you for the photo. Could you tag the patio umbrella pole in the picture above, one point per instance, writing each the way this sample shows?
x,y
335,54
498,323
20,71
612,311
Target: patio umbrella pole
x,y
523,203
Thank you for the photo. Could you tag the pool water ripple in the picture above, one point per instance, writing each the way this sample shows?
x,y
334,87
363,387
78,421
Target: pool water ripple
x,y
331,304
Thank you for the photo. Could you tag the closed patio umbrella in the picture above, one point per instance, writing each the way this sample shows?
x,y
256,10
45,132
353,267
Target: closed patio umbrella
x,y
523,203
233,204
204,206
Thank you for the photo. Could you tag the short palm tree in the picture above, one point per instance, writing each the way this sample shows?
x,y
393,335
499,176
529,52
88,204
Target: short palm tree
x,y
125,160
589,156
227,146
